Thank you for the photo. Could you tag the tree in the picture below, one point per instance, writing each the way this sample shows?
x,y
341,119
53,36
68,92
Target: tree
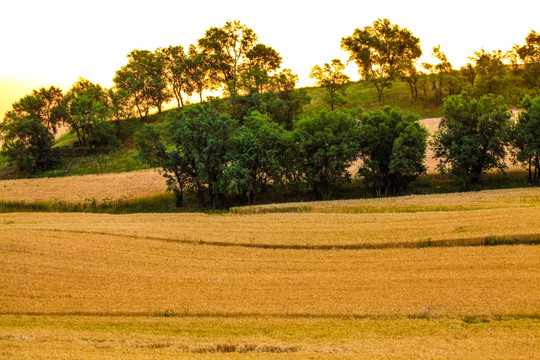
x,y
88,114
227,48
392,148
201,74
287,103
143,77
469,71
473,138
204,136
261,62
530,55
175,166
27,131
120,107
409,72
255,157
527,137
379,50
327,146
176,71
332,78
512,56
439,72
490,67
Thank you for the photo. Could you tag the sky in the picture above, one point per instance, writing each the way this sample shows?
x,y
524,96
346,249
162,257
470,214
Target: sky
x,y
54,42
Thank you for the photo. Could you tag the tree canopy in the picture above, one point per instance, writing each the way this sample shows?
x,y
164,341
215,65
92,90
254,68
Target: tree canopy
x,y
27,131
392,148
380,50
473,137
332,78
527,137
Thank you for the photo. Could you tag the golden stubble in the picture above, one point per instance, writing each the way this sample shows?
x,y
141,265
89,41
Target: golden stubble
x,y
75,189
70,273
293,230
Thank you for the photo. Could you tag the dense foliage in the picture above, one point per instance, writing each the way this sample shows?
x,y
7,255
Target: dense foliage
x,y
527,137
473,138
392,148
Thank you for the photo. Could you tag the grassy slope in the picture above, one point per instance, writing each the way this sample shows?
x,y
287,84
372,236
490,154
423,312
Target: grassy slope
x,y
362,94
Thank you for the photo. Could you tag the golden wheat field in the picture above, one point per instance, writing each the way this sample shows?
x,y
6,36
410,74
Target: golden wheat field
x,y
75,189
398,278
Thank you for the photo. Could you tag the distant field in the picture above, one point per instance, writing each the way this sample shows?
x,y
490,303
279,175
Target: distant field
x,y
479,200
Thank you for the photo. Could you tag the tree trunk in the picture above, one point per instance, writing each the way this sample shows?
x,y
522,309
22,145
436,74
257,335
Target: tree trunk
x,y
531,181
200,195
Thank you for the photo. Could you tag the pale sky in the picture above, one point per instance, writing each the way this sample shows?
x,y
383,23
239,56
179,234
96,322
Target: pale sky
x,y
54,42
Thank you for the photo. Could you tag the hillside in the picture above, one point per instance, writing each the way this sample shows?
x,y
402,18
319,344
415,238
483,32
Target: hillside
x,y
81,161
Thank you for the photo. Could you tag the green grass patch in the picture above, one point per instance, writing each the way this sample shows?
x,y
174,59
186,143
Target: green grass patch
x,y
364,95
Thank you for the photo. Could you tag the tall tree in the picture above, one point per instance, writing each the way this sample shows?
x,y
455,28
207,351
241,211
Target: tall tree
x,y
261,62
255,156
439,73
27,131
409,72
120,107
204,136
144,78
473,138
530,55
332,78
379,50
490,67
392,148
512,56
88,113
201,74
176,167
227,48
469,71
176,71
327,146
527,137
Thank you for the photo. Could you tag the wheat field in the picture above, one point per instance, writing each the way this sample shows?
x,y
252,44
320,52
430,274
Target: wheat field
x,y
403,278
84,188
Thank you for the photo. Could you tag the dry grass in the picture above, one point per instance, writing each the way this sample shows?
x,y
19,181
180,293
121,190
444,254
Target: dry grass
x,y
71,273
75,189
487,199
293,230
77,295
146,286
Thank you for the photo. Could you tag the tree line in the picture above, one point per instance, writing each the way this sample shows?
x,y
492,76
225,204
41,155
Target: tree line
x,y
385,52
207,151
261,135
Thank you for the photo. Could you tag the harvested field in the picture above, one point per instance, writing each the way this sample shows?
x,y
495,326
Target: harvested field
x,y
294,230
37,337
75,189
65,273
334,282
489,199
